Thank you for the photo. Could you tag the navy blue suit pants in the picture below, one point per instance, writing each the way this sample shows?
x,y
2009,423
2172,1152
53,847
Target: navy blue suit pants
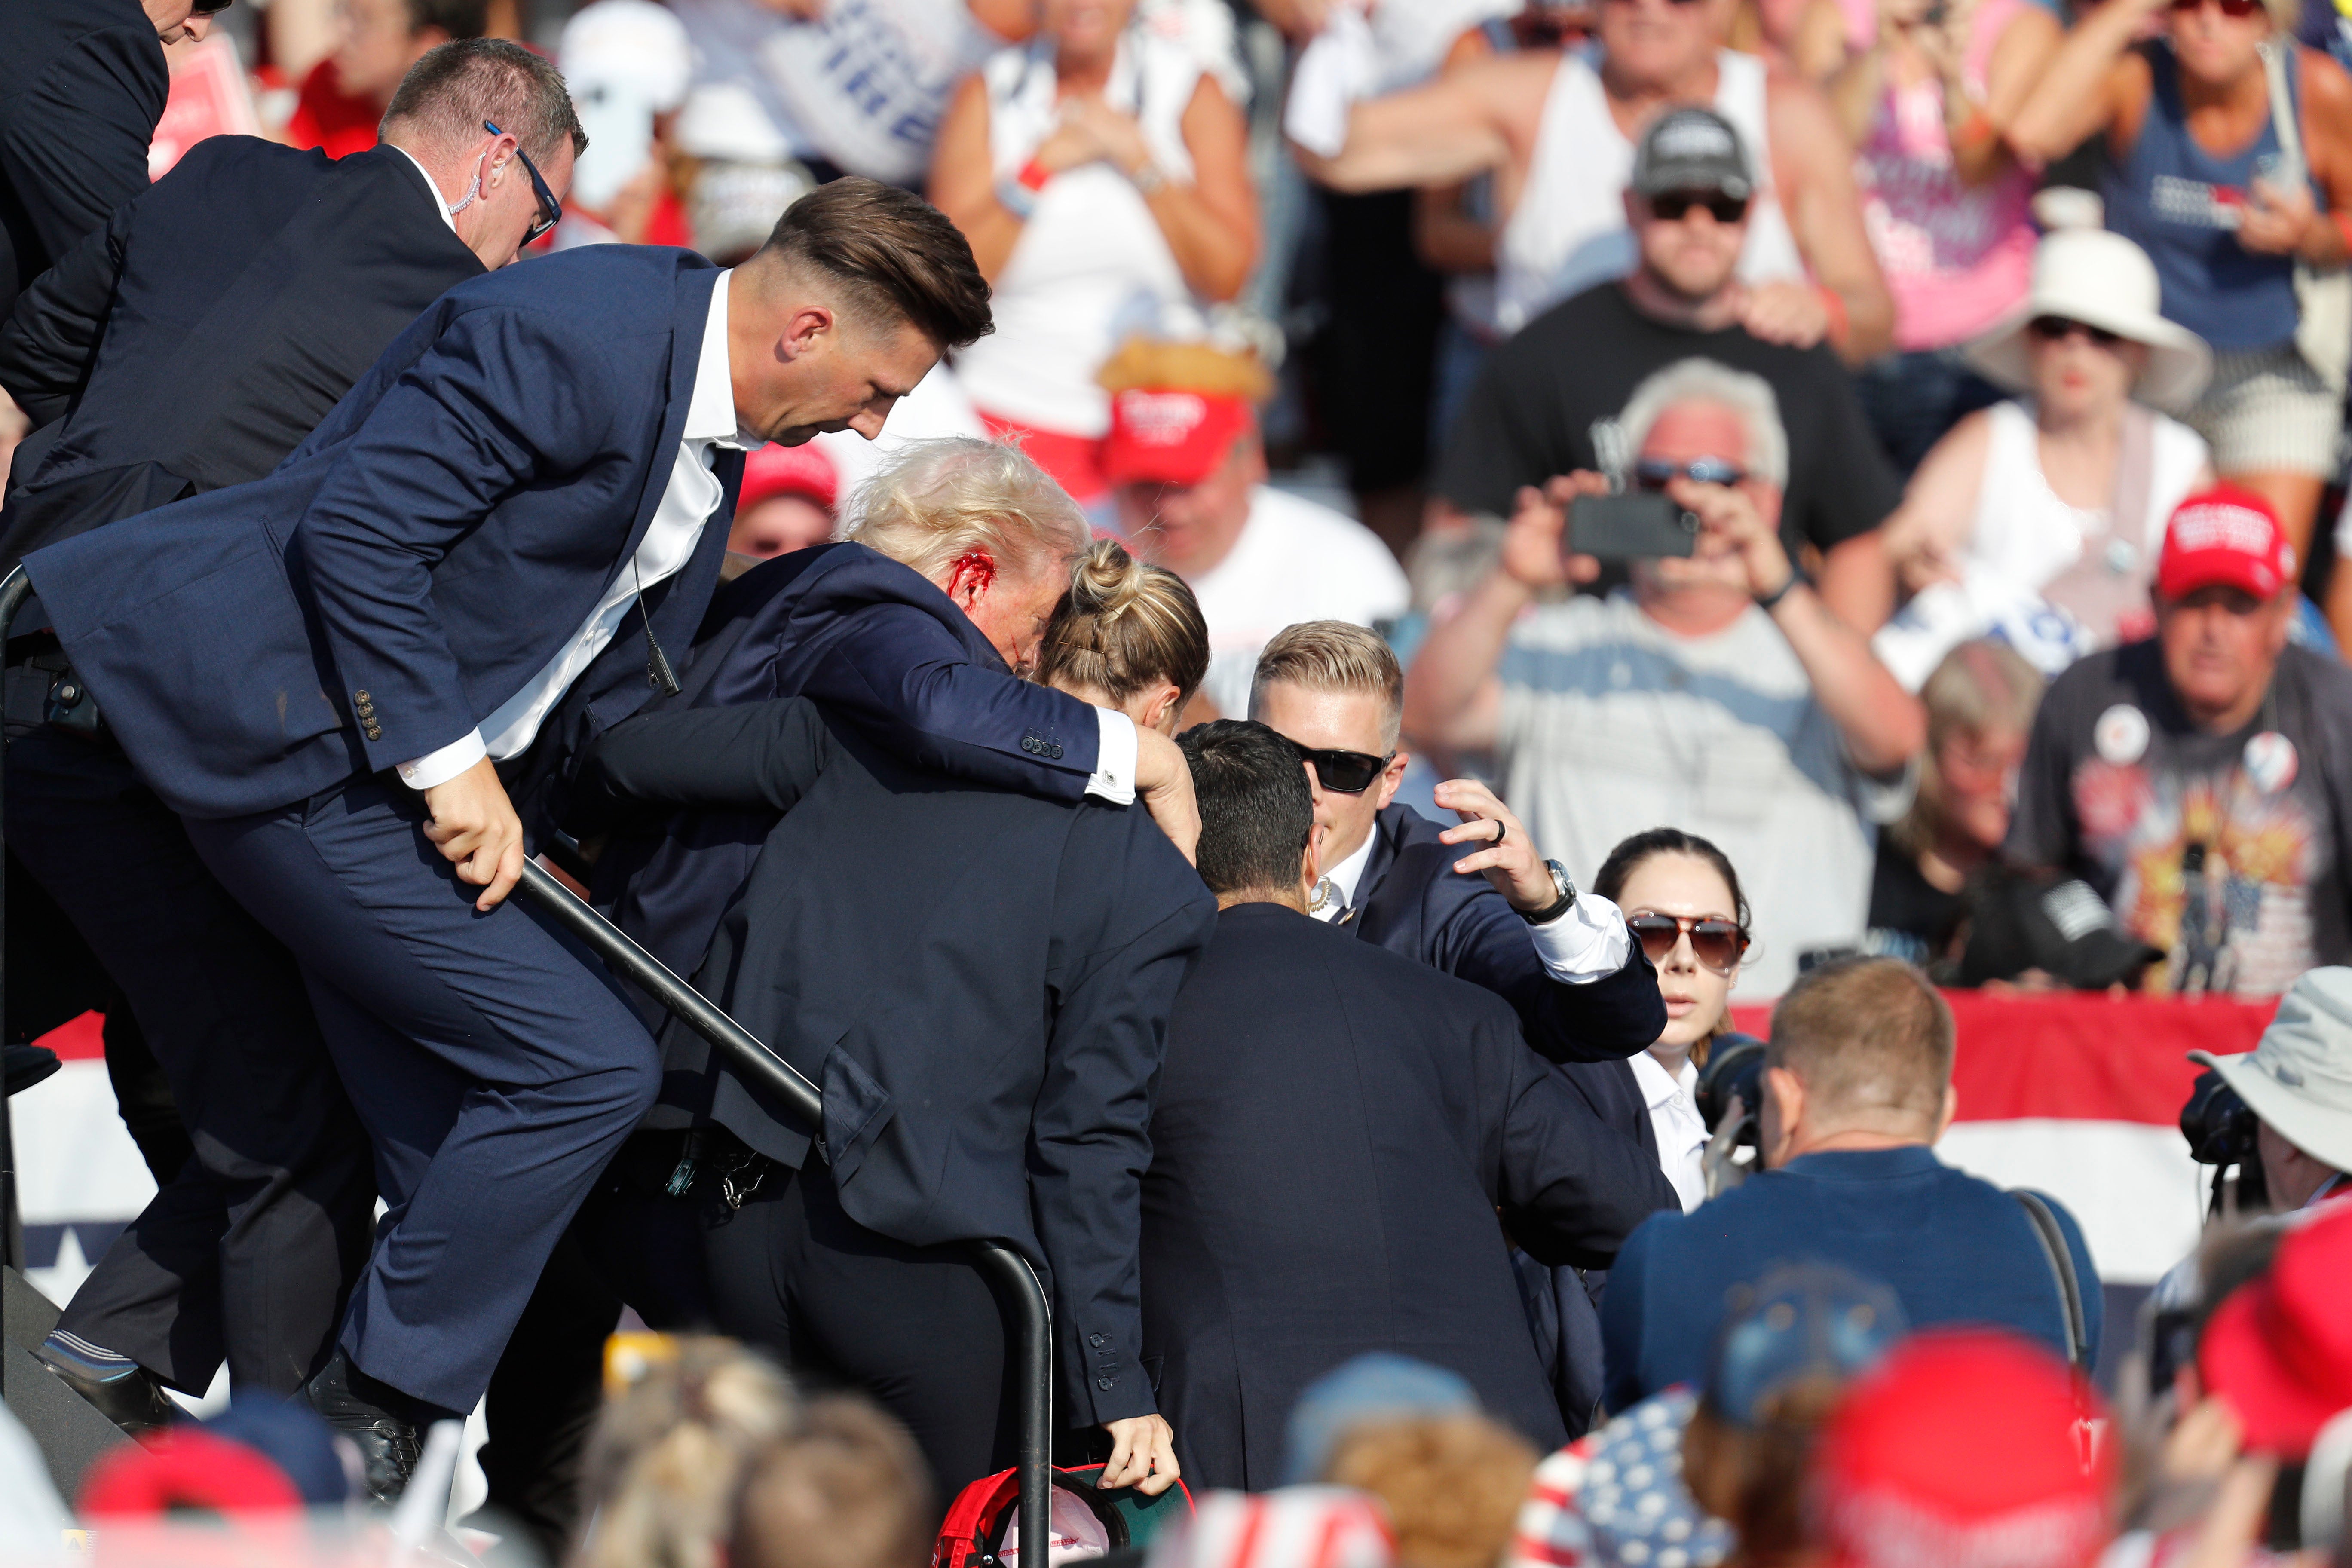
x,y
495,1066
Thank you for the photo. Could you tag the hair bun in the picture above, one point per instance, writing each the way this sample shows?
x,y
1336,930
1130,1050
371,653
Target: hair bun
x,y
1108,579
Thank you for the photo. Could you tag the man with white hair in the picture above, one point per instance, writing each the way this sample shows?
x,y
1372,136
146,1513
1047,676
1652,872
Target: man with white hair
x,y
1719,694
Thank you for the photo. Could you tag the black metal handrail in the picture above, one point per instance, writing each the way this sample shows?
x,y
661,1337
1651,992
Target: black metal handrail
x,y
1034,1354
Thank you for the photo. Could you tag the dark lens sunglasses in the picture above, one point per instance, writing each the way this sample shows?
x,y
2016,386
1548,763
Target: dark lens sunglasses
x,y
2058,329
1344,772
1717,943
210,7
1653,474
1673,206
550,211
2236,10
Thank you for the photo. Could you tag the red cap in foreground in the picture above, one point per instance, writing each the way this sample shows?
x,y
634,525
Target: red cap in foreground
x,y
1961,1451
1170,437
2279,1350
776,470
2228,538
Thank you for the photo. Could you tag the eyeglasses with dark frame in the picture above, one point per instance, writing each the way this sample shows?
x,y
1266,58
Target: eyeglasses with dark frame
x,y
550,211
1673,206
210,7
2058,329
1656,473
1715,942
1342,771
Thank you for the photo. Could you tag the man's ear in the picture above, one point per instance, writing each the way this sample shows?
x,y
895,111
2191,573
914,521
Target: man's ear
x,y
804,328
970,579
1786,1095
1310,864
1392,777
1637,208
1951,1110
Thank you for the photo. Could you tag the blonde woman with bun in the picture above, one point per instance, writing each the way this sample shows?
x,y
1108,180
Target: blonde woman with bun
x,y
1128,636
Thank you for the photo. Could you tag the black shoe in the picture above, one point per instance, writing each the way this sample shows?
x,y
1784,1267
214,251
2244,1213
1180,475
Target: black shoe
x,y
358,1407
133,1400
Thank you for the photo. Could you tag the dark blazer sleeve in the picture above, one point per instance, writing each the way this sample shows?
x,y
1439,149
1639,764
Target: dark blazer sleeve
x,y
903,680
1622,1310
759,755
52,334
502,397
1089,1132
1571,1187
1484,940
75,149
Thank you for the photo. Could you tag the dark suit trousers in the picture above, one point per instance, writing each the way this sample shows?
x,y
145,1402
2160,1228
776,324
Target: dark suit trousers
x,y
495,1065
247,1252
916,1327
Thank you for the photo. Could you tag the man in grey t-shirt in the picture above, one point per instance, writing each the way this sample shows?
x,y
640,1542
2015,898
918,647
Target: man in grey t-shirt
x,y
1720,695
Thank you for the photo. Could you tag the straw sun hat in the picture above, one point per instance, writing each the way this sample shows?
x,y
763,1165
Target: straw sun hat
x,y
2104,280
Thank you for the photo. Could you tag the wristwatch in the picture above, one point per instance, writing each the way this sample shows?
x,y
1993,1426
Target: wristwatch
x,y
1561,884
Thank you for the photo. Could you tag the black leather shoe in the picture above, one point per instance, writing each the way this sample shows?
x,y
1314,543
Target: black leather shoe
x,y
355,1405
132,1400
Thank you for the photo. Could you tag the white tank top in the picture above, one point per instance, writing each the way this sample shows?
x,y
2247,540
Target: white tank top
x,y
1091,267
1569,231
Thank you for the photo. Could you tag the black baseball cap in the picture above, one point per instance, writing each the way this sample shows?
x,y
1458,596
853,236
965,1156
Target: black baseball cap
x,y
1692,149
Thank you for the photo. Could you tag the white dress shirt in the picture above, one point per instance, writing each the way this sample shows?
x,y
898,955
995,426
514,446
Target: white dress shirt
x,y
1673,1116
439,206
694,493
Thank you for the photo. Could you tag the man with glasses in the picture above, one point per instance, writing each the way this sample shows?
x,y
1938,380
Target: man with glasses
x,y
1476,899
82,84
1719,695
1531,414
188,346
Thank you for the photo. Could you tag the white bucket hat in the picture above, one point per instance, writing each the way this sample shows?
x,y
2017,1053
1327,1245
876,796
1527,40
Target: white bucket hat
x,y
2299,1078
2104,280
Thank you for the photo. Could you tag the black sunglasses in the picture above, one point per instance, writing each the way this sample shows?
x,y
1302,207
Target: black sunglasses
x,y
1673,206
210,7
2057,329
1654,474
1717,943
550,211
1345,772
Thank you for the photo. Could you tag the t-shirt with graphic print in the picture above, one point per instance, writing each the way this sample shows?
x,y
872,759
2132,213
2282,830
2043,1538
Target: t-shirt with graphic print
x,y
2223,851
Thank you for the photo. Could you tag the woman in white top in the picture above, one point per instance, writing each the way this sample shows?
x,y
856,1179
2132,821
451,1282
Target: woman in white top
x,y
1682,904
2039,519
1100,176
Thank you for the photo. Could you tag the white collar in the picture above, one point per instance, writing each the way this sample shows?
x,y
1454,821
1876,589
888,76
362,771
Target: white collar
x,y
439,206
1348,872
711,412
1658,1085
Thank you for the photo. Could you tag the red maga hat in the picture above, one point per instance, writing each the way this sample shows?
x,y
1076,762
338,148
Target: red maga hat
x,y
780,471
2224,537
1170,436
2279,1350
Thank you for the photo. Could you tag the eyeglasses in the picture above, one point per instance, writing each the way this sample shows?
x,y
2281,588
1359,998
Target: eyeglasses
x,y
2236,10
210,7
550,211
1673,206
1655,473
2058,329
1343,772
1715,942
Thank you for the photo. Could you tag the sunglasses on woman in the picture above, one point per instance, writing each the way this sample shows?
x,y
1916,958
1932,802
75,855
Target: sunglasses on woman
x,y
1343,772
2058,329
1715,942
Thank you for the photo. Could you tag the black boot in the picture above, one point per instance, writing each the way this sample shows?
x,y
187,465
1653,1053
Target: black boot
x,y
129,1395
374,1416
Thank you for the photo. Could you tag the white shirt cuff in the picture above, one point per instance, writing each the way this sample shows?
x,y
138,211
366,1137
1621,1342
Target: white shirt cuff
x,y
439,767
1586,941
1114,777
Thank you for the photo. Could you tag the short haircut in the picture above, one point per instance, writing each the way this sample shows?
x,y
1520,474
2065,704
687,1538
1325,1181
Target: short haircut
x,y
932,502
1335,656
1257,811
1124,627
1709,381
1865,1034
457,86
897,256
846,1488
458,18
1452,1484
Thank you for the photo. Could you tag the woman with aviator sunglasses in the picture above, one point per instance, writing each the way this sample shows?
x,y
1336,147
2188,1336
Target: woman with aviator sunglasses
x,y
2230,164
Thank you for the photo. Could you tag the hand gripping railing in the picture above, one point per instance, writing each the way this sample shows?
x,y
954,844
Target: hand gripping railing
x,y
1007,1269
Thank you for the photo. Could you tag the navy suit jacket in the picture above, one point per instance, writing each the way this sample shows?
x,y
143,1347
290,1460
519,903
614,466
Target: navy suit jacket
x,y
206,330
82,83
1335,1129
893,660
432,545
1410,900
978,980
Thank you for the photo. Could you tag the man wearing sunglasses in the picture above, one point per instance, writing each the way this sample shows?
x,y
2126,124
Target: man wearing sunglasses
x,y
1719,694
1477,899
189,346
1532,411
82,85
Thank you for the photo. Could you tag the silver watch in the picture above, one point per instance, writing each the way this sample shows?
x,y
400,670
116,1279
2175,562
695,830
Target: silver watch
x,y
1564,885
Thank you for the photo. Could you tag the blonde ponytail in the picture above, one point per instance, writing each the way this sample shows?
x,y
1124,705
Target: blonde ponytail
x,y
1124,627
